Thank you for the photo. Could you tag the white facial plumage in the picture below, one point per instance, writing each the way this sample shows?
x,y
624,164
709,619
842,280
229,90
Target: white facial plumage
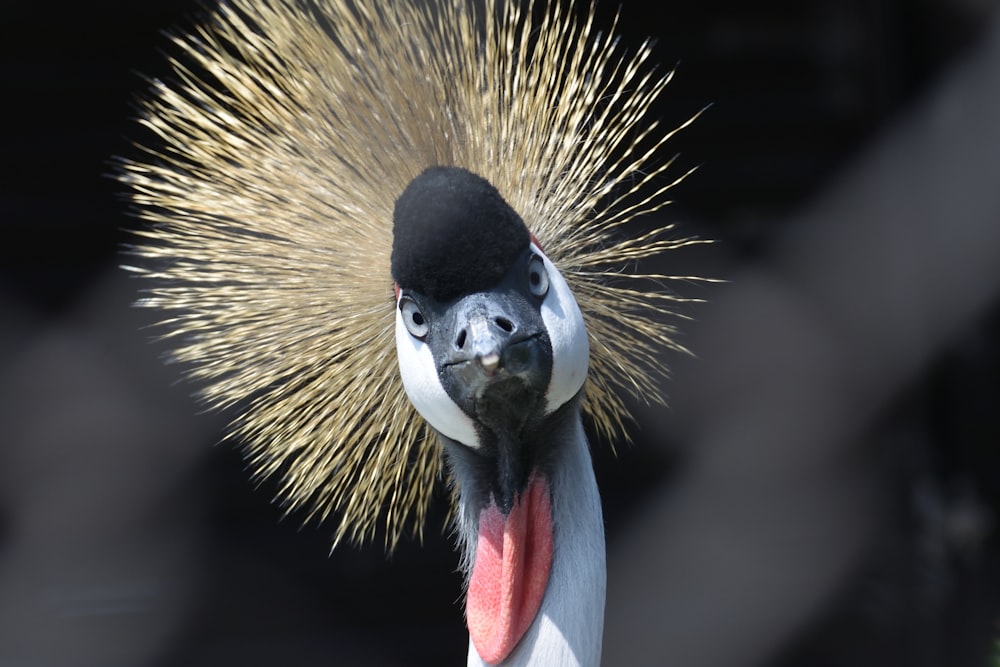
x,y
570,359
425,391
568,334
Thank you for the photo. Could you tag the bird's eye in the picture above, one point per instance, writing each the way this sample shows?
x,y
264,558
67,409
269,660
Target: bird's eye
x,y
413,319
538,277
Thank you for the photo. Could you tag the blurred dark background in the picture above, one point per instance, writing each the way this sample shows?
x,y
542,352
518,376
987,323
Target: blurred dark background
x,y
129,537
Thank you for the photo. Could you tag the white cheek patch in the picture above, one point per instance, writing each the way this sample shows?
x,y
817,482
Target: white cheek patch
x,y
423,387
570,348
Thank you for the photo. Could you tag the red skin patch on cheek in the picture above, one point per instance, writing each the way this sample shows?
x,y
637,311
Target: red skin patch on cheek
x,y
513,560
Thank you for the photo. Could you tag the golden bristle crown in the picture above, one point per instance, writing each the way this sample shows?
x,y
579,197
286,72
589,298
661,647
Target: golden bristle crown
x,y
284,139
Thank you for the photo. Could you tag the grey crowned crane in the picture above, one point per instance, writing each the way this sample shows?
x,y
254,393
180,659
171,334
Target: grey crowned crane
x,y
391,236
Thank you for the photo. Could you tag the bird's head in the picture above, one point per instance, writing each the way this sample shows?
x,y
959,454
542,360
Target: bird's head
x,y
491,344
489,337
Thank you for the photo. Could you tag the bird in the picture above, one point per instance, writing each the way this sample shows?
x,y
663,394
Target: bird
x,y
394,240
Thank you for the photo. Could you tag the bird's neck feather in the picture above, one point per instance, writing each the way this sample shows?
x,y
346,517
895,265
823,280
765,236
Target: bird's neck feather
x,y
569,626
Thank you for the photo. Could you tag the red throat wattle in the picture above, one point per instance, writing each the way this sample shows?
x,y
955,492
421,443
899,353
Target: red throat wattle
x,y
513,558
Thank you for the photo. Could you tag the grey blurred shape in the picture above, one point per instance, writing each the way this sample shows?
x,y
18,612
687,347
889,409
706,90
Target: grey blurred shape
x,y
797,356
98,488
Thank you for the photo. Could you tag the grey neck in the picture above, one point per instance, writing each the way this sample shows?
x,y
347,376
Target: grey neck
x,y
569,626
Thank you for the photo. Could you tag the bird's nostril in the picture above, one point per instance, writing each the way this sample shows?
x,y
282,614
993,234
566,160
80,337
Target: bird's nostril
x,y
460,341
505,324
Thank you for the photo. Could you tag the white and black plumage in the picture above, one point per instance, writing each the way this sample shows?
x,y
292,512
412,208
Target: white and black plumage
x,y
390,234
493,352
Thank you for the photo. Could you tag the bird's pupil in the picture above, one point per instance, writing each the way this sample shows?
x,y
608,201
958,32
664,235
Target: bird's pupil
x,y
418,319
535,278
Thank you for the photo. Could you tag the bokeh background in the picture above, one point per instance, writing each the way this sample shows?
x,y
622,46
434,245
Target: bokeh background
x,y
822,491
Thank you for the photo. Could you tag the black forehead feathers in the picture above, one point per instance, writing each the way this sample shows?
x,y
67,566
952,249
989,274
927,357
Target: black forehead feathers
x,y
453,234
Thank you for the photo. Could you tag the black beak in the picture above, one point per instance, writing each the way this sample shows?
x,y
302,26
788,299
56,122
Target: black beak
x,y
496,344
497,367
493,334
